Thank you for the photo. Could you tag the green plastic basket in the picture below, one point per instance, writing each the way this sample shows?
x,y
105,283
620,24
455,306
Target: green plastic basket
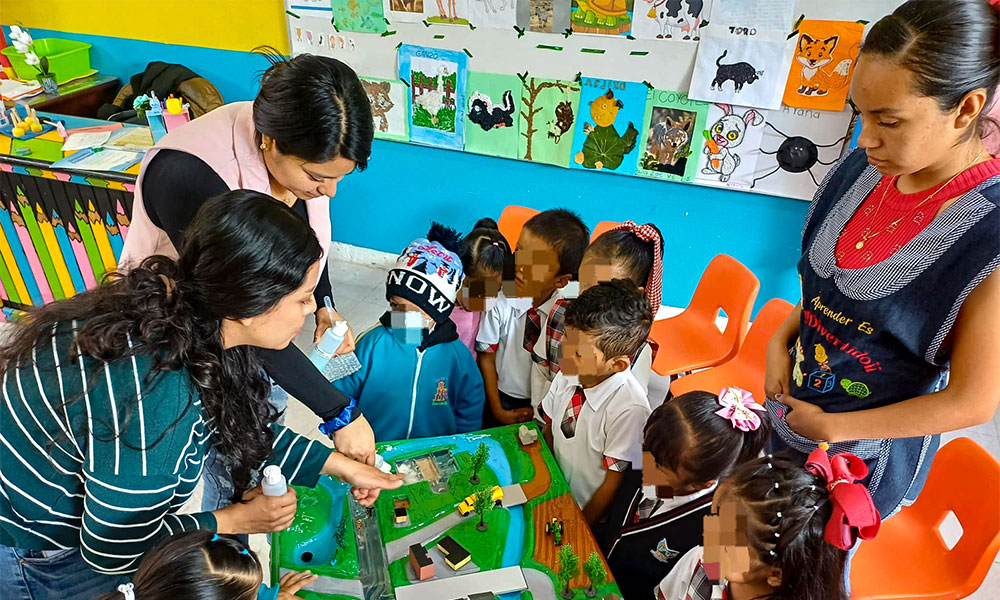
x,y
67,59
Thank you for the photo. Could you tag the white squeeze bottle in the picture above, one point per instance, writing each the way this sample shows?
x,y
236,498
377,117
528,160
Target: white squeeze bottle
x,y
331,340
273,483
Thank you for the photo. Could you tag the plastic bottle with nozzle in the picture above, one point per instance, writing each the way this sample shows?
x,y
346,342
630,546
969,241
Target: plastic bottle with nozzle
x,y
273,483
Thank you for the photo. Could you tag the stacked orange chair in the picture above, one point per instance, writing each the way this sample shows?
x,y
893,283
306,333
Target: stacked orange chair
x,y
691,340
602,228
512,221
909,558
746,369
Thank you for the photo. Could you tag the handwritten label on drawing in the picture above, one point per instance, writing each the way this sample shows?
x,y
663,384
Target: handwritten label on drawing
x,y
869,364
426,53
743,30
801,112
602,84
669,97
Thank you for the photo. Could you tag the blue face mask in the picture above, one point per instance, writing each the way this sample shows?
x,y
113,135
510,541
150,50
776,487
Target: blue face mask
x,y
408,327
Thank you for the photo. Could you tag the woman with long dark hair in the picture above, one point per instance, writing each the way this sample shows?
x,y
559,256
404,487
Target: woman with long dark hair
x,y
897,338
112,398
309,127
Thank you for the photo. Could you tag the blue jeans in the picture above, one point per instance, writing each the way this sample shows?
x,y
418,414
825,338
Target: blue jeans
x,y
29,575
218,483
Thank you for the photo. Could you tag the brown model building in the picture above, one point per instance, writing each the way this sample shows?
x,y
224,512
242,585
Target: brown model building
x,y
420,561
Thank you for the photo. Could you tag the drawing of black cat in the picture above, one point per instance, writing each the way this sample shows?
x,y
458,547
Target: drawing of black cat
x,y
740,73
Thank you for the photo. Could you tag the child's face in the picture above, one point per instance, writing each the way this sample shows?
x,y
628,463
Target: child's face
x,y
477,290
727,554
582,358
594,269
537,267
408,322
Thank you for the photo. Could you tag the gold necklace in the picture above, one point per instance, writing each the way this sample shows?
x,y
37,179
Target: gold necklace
x,y
891,226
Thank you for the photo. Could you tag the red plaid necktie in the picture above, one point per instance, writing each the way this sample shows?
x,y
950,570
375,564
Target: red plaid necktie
x,y
532,330
648,233
572,414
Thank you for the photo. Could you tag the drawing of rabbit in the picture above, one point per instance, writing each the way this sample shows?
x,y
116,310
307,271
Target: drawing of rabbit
x,y
727,133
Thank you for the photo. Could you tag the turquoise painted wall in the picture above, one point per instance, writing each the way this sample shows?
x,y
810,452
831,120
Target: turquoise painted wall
x,y
406,186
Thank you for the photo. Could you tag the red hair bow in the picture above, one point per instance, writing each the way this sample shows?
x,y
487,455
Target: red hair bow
x,y
854,514
648,233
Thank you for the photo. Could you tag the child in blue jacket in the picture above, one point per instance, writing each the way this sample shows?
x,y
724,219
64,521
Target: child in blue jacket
x,y
417,379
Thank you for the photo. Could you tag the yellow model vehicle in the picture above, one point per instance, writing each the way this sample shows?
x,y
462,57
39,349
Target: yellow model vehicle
x,y
466,506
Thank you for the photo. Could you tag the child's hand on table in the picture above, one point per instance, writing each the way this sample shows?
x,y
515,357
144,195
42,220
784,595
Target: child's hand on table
x,y
292,582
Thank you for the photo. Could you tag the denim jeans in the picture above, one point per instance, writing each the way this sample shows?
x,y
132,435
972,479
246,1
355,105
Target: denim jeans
x,y
30,575
218,483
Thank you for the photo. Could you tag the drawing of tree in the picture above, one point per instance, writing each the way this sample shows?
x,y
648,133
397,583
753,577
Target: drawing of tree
x,y
593,567
569,568
534,89
482,503
478,460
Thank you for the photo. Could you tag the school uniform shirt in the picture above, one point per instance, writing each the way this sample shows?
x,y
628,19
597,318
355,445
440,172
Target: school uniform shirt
x,y
687,580
108,471
413,391
502,332
603,433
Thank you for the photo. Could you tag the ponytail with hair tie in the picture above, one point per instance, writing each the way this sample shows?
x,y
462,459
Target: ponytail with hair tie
x,y
127,590
648,233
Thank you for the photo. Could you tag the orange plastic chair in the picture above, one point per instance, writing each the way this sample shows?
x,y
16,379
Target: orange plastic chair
x,y
512,221
602,228
691,340
746,370
909,558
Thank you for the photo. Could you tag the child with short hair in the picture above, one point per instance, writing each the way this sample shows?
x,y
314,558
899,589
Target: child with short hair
x,y
693,441
594,411
779,531
417,379
201,564
629,251
547,257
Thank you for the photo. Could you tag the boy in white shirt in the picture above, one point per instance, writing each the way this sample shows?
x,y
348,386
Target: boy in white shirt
x,y
595,410
547,257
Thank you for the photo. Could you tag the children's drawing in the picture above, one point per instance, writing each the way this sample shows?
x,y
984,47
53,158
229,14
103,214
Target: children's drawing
x,y
798,149
390,107
547,119
448,12
776,16
669,19
671,136
367,16
491,125
544,16
437,94
602,17
404,11
740,70
732,143
825,57
606,137
494,14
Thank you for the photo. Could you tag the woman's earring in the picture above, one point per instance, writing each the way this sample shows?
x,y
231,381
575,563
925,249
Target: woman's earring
x,y
263,145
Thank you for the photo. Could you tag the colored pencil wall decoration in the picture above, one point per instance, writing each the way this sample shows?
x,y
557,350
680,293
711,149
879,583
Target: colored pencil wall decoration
x,y
80,252
35,235
17,261
114,236
101,238
7,282
31,253
69,255
55,253
87,235
123,220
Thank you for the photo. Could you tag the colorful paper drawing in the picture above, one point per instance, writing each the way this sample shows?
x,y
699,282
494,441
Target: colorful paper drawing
x,y
602,17
549,109
493,14
491,112
366,16
732,145
544,16
390,107
825,57
448,12
437,94
671,139
404,11
740,70
798,149
606,136
757,15
669,19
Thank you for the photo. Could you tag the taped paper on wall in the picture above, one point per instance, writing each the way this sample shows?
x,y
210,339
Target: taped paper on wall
x,y
549,110
732,145
672,136
437,94
669,19
606,136
492,119
825,56
390,103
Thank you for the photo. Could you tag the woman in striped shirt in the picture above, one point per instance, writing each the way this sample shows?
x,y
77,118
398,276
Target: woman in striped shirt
x,y
111,399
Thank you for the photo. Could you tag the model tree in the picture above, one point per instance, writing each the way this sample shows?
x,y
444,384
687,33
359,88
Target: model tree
x,y
569,568
593,568
482,503
531,90
478,461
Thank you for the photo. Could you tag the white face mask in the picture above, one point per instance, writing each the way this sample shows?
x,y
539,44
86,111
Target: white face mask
x,y
409,327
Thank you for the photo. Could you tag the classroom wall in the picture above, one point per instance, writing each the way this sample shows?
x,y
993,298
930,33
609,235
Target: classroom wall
x,y
406,186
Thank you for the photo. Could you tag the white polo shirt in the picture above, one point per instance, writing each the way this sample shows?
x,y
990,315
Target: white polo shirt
x,y
502,331
609,427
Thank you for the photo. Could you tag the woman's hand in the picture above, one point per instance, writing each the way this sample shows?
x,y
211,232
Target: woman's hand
x,y
356,440
257,513
293,582
366,480
324,321
777,374
808,420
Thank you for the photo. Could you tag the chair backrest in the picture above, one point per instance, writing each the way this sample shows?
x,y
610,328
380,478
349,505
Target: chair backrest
x,y
768,319
512,220
602,228
728,285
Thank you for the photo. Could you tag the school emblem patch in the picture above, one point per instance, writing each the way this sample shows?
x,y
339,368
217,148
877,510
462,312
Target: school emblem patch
x,y
441,394
663,552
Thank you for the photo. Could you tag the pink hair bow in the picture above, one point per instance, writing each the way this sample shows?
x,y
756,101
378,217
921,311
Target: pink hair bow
x,y
739,407
854,514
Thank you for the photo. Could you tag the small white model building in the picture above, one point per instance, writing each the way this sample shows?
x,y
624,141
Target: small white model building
x,y
527,435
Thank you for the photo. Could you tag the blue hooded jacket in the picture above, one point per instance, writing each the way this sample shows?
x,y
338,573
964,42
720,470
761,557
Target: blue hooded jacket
x,y
408,391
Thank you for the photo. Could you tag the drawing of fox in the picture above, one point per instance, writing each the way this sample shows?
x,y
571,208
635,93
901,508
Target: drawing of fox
x,y
813,55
